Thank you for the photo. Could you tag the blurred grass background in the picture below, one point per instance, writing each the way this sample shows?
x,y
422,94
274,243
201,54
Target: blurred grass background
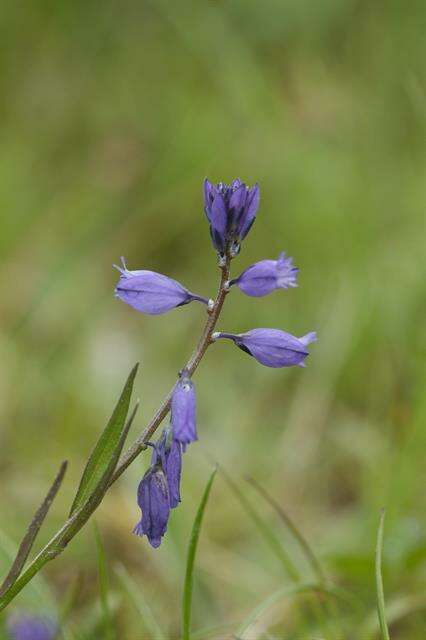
x,y
111,116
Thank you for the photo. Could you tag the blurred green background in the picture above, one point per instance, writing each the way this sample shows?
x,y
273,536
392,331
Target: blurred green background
x,y
112,114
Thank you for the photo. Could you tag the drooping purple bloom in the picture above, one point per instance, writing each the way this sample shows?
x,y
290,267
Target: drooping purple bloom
x,y
272,347
151,292
31,627
231,210
183,411
154,502
170,452
267,275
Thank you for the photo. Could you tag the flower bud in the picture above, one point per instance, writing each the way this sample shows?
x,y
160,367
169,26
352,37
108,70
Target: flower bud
x,y
183,411
154,502
170,452
231,211
150,292
273,347
267,275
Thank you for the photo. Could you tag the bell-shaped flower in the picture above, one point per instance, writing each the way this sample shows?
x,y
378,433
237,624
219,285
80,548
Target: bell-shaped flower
x,y
272,347
231,210
151,292
183,411
31,627
267,275
170,452
154,502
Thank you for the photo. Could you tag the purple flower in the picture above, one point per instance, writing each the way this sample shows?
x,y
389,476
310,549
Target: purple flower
x,y
183,411
154,502
267,275
272,347
170,452
231,211
31,627
151,292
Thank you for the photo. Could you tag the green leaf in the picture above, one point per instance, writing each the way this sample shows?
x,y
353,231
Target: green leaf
x,y
379,580
105,448
141,605
190,560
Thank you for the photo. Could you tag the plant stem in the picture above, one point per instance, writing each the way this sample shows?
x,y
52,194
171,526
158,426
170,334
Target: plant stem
x,y
72,526
192,364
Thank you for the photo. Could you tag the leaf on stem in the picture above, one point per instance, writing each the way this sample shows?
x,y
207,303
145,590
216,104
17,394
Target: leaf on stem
x,y
106,448
35,525
190,560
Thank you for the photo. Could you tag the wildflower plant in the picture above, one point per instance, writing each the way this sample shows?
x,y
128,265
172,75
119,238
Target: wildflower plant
x,y
231,211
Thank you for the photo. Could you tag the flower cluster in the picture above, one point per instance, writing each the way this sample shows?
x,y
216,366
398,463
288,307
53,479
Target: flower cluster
x,y
231,211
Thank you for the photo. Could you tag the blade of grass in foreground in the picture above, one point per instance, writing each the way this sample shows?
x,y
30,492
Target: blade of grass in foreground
x,y
268,535
190,560
103,586
304,545
323,611
285,592
379,579
140,603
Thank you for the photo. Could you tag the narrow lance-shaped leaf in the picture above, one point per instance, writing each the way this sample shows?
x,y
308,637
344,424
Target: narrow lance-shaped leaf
x,y
73,525
82,514
105,447
29,538
190,560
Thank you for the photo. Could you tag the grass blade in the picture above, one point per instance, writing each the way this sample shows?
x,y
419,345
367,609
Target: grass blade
x,y
268,535
103,586
29,538
105,447
322,611
192,549
141,605
285,592
379,579
304,545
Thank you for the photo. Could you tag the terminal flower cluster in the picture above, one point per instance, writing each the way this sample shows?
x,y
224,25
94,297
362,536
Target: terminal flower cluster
x,y
231,212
